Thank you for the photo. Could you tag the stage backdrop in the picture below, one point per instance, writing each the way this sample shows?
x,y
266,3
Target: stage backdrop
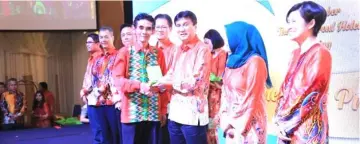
x,y
340,34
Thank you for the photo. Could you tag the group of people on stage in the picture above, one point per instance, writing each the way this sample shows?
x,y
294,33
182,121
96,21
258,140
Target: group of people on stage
x,y
128,102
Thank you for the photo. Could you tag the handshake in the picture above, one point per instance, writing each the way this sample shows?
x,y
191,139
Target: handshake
x,y
152,88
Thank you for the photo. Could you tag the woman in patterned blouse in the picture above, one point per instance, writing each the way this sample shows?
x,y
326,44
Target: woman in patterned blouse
x,y
216,42
301,115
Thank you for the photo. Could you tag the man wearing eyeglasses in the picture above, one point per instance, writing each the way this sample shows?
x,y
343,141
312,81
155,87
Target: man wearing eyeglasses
x,y
93,47
163,27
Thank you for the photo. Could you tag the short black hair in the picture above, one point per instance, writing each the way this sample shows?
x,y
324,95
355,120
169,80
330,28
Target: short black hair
x,y
106,28
11,79
125,25
215,37
144,16
310,11
186,14
94,37
44,85
164,16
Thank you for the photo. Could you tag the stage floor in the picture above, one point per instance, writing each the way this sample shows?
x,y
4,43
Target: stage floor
x,y
81,134
78,134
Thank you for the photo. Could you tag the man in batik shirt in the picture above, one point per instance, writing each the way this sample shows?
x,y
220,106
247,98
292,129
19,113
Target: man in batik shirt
x,y
163,27
143,110
104,99
13,106
94,50
189,78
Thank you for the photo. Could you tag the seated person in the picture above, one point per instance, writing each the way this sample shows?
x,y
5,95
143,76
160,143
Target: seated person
x,y
41,111
49,98
84,115
13,106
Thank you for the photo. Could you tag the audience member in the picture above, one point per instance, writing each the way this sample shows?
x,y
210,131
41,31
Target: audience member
x,y
41,111
13,105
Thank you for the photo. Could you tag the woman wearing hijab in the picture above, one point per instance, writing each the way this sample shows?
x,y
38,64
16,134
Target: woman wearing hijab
x,y
301,115
242,110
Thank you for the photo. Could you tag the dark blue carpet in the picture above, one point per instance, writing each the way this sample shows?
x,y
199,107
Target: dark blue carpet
x,y
79,134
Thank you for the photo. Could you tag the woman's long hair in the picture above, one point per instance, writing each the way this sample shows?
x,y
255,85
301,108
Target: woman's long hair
x,y
36,103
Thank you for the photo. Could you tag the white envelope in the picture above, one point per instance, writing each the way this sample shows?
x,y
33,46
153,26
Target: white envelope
x,y
154,73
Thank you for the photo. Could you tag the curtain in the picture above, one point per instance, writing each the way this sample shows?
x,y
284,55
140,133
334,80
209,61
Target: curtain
x,y
45,57
58,58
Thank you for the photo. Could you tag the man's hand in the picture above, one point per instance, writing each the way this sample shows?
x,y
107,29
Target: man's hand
x,y
216,120
163,120
212,84
201,105
12,117
84,99
89,90
229,131
281,134
154,89
218,85
163,87
118,105
16,116
144,88
186,86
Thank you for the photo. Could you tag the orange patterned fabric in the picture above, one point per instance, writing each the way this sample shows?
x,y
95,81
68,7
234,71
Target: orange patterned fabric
x,y
242,100
189,77
103,92
87,83
13,103
130,73
301,110
217,67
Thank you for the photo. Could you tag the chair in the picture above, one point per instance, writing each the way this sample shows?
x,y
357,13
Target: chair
x,y
76,111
